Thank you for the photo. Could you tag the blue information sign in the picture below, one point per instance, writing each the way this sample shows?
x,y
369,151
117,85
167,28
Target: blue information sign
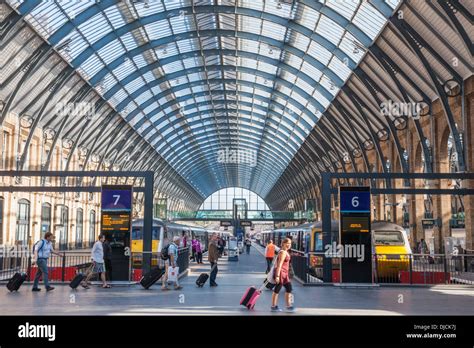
x,y
354,201
117,198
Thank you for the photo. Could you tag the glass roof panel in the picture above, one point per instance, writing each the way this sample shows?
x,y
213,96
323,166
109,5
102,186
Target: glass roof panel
x,y
283,71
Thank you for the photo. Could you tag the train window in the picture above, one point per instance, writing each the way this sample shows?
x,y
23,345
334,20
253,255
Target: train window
x,y
388,238
319,242
137,233
156,233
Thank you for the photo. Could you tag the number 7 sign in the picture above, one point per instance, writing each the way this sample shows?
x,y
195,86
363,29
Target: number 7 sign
x,y
117,198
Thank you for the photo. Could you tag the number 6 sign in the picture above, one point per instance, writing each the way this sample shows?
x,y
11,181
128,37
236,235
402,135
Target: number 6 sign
x,y
354,199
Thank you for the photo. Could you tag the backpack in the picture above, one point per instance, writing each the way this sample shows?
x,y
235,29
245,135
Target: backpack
x,y
164,253
34,246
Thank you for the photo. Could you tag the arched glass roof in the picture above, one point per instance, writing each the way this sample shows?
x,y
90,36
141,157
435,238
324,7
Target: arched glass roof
x,y
195,77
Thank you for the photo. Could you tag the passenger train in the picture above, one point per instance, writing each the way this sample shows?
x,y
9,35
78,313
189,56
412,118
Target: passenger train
x,y
163,233
390,242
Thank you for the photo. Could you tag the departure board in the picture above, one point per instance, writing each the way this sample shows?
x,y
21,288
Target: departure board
x,y
355,224
115,222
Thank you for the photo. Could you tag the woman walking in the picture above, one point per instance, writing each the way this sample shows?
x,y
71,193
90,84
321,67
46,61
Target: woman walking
x,y
282,277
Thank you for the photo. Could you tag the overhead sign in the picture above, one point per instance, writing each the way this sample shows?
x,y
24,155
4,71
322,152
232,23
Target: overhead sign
x,y
226,223
116,198
246,223
354,199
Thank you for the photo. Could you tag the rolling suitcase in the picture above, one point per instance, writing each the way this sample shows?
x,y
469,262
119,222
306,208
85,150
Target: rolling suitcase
x,y
250,297
151,277
203,277
15,282
252,294
77,280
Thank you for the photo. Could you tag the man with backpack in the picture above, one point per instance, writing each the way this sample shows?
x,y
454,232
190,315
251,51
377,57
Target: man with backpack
x,y
42,250
170,254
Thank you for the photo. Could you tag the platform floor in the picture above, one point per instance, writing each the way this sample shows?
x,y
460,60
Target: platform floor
x,y
233,279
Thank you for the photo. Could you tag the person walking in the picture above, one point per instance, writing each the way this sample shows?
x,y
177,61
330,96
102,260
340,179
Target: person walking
x,y
198,252
248,244
97,255
42,250
220,245
193,248
269,254
107,259
213,256
282,277
171,262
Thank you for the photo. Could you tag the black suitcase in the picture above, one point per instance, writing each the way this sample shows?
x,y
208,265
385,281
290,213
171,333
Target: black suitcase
x,y
151,277
77,280
15,282
202,279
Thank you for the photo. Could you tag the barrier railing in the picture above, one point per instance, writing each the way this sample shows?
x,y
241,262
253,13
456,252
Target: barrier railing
x,y
424,269
61,268
299,263
401,268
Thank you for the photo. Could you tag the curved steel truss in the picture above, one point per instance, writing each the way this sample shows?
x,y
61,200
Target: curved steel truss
x,y
294,85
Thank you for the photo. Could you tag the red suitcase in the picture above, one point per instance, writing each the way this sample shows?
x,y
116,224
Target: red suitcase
x,y
250,297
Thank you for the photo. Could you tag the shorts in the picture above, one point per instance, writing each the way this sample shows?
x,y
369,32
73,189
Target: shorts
x,y
98,268
287,286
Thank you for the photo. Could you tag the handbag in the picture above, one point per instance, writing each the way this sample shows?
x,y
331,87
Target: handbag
x,y
271,274
173,273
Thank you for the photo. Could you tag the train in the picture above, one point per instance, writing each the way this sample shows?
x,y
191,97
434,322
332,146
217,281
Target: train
x,y
163,233
390,242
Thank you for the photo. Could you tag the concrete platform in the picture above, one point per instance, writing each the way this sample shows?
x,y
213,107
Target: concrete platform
x,y
233,279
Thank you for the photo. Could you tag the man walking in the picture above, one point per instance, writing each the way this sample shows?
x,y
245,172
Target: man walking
x,y
248,244
269,254
97,255
171,262
42,250
213,256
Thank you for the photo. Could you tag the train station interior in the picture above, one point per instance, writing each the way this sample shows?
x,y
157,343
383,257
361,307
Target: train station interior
x,y
324,148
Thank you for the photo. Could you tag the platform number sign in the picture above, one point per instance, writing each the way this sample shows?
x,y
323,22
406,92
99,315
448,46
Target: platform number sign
x,y
355,201
117,198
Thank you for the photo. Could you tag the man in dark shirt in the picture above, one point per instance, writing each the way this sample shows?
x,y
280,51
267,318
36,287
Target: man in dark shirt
x,y
108,259
213,256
